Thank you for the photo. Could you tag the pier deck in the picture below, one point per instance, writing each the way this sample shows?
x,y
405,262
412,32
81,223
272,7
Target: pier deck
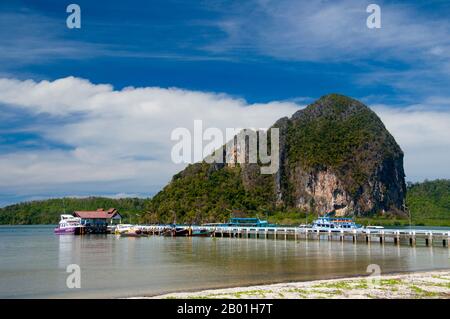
x,y
410,237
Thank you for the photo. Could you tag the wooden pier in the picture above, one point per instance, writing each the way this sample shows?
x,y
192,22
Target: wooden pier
x,y
394,236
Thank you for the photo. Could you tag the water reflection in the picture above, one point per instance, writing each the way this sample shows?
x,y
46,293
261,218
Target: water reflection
x,y
115,266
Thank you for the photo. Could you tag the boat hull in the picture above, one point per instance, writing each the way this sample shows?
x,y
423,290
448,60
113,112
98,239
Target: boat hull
x,y
69,231
176,232
201,233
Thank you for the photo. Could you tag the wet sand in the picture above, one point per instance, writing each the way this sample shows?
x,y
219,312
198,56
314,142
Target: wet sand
x,y
431,284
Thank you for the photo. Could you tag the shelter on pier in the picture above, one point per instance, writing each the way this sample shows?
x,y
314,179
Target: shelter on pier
x,y
99,219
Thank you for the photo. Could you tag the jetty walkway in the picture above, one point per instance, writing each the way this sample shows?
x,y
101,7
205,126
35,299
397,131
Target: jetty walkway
x,y
410,237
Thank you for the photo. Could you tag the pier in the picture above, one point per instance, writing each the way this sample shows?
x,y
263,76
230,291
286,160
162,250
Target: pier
x,y
411,237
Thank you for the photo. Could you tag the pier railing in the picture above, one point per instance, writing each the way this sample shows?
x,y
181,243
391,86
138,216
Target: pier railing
x,y
396,236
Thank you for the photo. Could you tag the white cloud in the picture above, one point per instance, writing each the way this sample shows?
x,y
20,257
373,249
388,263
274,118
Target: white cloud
x,y
331,31
423,132
119,140
26,37
410,52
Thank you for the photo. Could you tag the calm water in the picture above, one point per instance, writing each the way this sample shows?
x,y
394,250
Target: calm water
x,y
33,262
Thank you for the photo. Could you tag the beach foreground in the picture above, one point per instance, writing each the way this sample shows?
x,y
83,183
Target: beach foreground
x,y
432,284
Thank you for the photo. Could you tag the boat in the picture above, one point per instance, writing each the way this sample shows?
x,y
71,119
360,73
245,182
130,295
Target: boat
x,y
131,232
176,231
374,227
242,222
122,228
111,229
326,224
202,232
69,225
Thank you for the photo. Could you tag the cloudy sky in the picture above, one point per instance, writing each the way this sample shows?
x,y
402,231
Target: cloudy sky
x,y
90,111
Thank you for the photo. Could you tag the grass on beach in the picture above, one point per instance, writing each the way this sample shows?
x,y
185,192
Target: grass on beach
x,y
424,285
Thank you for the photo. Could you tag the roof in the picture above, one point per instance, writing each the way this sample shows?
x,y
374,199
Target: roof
x,y
99,213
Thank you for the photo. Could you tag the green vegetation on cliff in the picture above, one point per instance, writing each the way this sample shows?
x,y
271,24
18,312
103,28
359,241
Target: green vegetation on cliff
x,y
340,134
201,193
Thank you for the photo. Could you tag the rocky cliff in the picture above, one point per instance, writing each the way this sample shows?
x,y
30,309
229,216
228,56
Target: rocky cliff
x,y
338,156
334,156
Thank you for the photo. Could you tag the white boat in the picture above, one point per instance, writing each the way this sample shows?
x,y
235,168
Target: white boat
x,y
69,225
325,224
374,227
123,228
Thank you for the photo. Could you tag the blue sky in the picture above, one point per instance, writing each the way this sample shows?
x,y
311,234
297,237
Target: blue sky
x,y
233,64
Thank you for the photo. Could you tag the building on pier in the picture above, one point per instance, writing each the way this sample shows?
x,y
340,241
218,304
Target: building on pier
x,y
97,221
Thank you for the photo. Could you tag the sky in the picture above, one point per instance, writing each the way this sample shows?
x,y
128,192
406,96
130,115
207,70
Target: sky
x,y
90,111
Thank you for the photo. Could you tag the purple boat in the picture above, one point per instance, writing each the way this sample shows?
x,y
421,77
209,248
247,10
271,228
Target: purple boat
x,y
69,225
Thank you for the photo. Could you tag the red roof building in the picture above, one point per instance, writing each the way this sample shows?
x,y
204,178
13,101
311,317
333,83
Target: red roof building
x,y
99,215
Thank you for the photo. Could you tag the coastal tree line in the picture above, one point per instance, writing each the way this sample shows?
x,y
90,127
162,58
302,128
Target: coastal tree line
x,y
428,202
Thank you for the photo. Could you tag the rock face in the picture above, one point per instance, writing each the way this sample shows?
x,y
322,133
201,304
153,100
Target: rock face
x,y
337,156
334,156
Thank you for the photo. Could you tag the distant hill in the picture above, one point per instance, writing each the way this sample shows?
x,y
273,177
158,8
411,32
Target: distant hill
x,y
48,211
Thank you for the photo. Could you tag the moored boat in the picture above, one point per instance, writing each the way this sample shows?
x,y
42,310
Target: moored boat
x,y
374,227
69,225
202,232
128,230
325,224
176,231
122,228
131,232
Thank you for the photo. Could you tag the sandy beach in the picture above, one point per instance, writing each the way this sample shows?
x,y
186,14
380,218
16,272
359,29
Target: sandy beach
x,y
431,284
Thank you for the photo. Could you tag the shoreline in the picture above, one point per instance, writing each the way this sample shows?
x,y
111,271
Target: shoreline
x,y
410,285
